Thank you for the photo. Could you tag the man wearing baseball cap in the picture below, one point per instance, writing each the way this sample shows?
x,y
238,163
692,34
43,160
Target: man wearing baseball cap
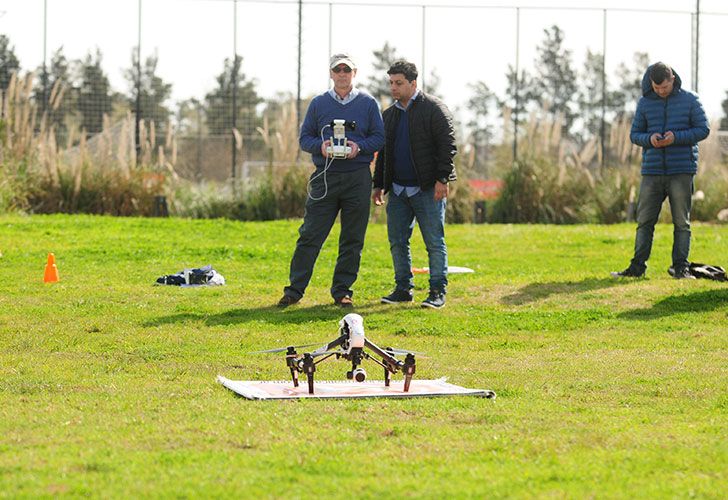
x,y
339,185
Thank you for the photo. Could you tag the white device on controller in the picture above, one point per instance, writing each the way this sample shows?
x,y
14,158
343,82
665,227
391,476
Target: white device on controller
x,y
338,147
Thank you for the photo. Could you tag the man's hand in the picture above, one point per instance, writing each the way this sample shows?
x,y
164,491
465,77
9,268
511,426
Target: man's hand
x,y
662,141
668,138
325,145
378,196
441,191
354,149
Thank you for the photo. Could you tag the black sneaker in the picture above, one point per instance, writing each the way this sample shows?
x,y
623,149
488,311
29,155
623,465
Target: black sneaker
x,y
398,295
435,300
630,272
681,274
287,300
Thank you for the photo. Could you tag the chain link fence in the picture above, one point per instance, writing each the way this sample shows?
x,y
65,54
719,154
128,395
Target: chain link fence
x,y
221,85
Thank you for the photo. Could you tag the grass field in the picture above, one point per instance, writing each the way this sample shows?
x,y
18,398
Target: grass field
x,y
605,388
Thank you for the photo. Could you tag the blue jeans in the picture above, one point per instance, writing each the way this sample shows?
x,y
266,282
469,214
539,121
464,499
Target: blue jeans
x,y
430,215
653,191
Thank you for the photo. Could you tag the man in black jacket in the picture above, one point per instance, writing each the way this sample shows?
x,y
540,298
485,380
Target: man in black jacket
x,y
415,167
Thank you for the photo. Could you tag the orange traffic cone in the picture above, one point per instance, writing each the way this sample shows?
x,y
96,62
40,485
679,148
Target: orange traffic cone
x,y
51,271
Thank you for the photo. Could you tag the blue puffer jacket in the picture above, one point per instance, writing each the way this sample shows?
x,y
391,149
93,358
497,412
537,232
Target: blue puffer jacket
x,y
681,113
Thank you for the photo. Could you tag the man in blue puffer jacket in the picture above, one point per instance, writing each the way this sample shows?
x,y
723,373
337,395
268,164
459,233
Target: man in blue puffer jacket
x,y
668,124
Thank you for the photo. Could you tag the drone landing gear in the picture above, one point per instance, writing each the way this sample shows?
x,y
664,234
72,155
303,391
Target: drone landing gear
x,y
309,367
409,370
291,362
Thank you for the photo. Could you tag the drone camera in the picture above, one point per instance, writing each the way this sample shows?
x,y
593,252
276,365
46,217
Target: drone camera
x,y
360,375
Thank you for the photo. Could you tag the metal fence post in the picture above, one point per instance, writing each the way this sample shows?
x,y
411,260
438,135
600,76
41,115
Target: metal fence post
x,y
234,81
423,73
517,86
603,125
696,47
45,57
138,106
298,81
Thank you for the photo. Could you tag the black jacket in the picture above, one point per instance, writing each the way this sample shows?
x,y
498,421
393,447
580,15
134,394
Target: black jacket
x,y
432,142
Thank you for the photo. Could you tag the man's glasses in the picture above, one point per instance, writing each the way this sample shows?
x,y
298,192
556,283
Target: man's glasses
x,y
339,69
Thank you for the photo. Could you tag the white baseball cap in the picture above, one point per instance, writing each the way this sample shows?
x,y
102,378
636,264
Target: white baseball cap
x,y
337,59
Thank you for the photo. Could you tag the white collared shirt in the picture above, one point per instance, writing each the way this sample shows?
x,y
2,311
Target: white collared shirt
x,y
409,103
347,98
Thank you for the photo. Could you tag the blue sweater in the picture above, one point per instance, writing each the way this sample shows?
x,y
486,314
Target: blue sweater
x,y
681,113
369,132
404,168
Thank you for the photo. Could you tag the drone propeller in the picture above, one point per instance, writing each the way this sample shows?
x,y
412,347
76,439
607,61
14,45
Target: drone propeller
x,y
282,349
313,354
402,351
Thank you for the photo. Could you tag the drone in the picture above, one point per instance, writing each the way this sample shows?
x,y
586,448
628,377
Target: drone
x,y
350,345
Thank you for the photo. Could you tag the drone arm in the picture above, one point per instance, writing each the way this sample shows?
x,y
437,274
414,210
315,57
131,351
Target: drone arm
x,y
384,354
331,345
367,356
387,371
325,358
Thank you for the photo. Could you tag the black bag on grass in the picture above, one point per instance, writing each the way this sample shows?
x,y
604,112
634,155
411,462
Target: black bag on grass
x,y
193,277
704,271
707,271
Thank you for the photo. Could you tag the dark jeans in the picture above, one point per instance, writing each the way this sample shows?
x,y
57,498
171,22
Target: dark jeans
x,y
348,193
653,191
430,214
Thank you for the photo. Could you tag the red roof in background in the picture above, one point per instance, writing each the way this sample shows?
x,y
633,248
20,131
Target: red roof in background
x,y
486,189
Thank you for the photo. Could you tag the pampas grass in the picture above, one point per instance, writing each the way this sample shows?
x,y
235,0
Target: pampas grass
x,y
98,174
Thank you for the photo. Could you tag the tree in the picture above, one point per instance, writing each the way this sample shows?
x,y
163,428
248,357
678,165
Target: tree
x,y
433,84
630,82
52,94
480,104
189,118
219,103
724,120
8,62
94,96
520,91
153,93
555,78
378,83
591,93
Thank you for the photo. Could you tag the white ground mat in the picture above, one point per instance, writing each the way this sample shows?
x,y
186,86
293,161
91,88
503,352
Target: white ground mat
x,y
348,389
450,270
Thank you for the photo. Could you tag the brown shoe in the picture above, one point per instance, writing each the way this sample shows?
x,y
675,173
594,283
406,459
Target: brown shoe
x,y
344,301
287,300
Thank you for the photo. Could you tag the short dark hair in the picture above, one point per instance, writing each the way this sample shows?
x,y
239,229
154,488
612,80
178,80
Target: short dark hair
x,y
659,72
406,68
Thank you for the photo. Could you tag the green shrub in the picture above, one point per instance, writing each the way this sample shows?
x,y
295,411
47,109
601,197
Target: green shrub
x,y
14,187
714,186
279,194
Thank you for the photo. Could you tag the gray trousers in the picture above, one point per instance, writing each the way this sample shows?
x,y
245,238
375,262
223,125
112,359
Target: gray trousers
x,y
654,189
348,193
